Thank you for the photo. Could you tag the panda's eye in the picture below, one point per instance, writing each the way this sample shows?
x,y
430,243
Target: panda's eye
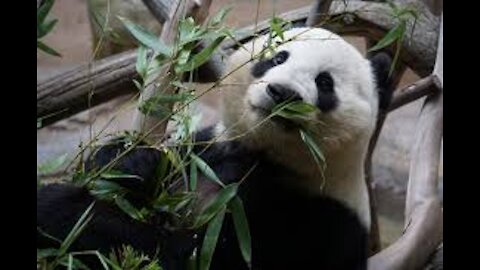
x,y
324,82
280,58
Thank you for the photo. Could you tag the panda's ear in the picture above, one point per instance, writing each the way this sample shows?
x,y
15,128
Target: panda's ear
x,y
381,63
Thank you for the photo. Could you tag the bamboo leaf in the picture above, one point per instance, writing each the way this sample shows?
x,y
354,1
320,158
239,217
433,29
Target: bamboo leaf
x,y
211,239
216,204
52,165
193,176
206,170
395,33
128,208
43,11
145,37
312,146
76,230
241,227
141,65
219,17
202,57
44,47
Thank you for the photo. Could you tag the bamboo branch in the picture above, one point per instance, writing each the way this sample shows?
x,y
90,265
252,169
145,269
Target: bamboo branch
x,y
142,122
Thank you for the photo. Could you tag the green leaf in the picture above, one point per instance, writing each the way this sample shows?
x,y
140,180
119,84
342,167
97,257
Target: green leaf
x,y
141,65
202,57
44,29
241,227
395,33
43,11
128,208
146,37
138,85
193,176
113,174
216,204
72,263
39,123
107,190
150,107
210,240
47,252
219,17
183,57
312,146
294,110
206,170
52,165
44,47
76,230
172,203
187,31
276,24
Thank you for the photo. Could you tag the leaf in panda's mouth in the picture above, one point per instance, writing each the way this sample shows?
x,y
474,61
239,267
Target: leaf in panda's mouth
x,y
296,110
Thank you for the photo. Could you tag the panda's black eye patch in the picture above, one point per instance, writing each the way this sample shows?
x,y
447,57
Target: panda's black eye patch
x,y
327,100
324,82
262,66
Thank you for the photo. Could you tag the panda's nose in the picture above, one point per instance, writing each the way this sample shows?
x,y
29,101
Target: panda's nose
x,y
280,93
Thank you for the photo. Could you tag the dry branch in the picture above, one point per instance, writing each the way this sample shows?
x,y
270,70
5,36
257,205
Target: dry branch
x,y
160,9
318,12
417,90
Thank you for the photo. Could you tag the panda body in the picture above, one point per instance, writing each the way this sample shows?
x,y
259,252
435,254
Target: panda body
x,y
297,218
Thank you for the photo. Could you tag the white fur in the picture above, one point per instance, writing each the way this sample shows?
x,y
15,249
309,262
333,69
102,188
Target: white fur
x,y
344,133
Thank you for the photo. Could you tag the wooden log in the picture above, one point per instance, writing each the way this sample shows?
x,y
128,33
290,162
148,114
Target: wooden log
x,y
372,21
78,89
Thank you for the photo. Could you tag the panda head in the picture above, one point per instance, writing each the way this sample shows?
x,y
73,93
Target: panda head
x,y
316,67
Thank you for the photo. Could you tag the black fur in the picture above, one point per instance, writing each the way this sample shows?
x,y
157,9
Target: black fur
x,y
381,63
289,229
264,65
327,100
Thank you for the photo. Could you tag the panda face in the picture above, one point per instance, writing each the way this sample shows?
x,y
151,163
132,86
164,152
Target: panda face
x,y
316,67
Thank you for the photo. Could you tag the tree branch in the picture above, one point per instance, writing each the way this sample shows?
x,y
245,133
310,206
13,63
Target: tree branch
x,y
417,90
424,216
423,211
77,89
160,9
318,12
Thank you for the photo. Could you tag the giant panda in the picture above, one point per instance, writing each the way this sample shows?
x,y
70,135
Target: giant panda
x,y
299,217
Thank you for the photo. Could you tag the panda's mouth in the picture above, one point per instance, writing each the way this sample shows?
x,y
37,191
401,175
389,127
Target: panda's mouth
x,y
267,114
